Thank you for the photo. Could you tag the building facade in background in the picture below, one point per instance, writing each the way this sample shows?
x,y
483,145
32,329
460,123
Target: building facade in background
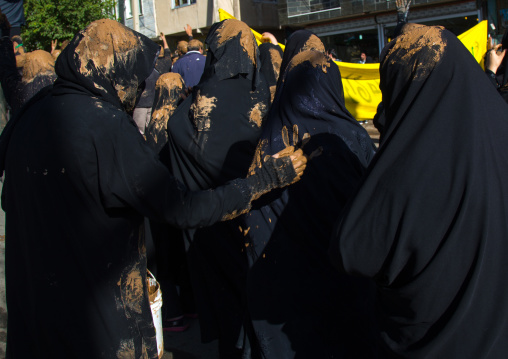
x,y
348,26
355,26
171,16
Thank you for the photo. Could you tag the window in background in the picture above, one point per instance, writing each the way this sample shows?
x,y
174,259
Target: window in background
x,y
180,3
306,7
128,10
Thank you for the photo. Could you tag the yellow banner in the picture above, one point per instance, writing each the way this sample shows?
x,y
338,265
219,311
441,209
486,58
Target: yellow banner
x,y
361,81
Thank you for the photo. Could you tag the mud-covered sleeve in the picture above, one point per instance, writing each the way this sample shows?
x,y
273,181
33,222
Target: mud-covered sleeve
x,y
130,175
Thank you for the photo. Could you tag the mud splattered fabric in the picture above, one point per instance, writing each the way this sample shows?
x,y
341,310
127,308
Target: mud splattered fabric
x,y
212,137
429,222
169,91
300,40
38,72
271,60
299,304
79,178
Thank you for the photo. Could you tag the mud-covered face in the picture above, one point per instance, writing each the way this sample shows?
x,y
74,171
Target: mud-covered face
x,y
110,60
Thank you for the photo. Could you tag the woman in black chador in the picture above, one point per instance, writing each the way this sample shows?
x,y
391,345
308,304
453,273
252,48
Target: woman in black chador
x,y
299,305
212,138
79,178
428,224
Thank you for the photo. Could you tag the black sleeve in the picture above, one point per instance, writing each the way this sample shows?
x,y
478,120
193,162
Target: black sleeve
x,y
9,75
130,175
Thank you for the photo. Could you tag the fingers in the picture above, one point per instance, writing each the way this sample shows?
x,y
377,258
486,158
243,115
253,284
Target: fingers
x,y
317,152
295,134
296,154
299,161
285,136
305,139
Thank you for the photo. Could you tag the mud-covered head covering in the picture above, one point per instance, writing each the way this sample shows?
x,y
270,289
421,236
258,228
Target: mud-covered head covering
x,y
169,91
35,63
232,50
407,63
429,221
300,40
108,60
289,230
310,101
214,132
271,59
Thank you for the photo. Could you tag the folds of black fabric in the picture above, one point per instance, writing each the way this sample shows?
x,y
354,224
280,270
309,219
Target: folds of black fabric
x,y
212,139
300,305
79,178
429,222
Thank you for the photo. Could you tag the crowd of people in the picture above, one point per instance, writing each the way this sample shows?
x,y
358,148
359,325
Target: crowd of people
x,y
242,171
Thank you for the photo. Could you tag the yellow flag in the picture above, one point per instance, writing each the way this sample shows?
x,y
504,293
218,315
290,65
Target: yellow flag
x,y
361,81
475,40
361,88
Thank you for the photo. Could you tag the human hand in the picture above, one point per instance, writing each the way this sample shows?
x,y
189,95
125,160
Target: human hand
x,y
161,36
268,37
53,45
494,58
188,30
298,160
402,6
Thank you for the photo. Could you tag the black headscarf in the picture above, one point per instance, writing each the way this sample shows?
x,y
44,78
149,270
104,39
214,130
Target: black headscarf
x,y
115,72
429,222
271,60
169,91
79,179
214,132
299,304
164,61
212,139
38,72
300,40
